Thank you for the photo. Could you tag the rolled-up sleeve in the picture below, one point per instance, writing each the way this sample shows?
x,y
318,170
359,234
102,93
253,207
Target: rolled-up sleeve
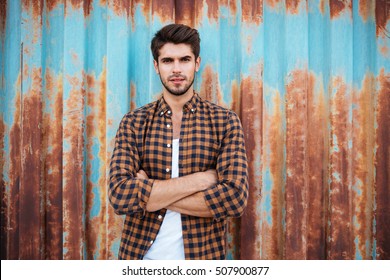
x,y
127,194
229,197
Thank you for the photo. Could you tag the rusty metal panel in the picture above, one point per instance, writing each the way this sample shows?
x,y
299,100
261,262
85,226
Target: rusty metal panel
x,y
310,81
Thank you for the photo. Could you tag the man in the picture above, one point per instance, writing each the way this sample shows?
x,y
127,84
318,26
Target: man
x,y
179,167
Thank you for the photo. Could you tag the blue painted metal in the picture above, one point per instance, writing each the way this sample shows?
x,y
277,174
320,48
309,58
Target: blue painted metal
x,y
309,79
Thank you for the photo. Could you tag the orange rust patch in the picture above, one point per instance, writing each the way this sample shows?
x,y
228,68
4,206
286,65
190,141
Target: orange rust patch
x,y
317,172
337,7
14,174
164,10
210,88
366,9
292,6
35,5
73,169
363,164
252,11
133,94
184,12
3,195
382,16
3,16
382,167
52,173
86,5
96,129
340,201
296,184
251,118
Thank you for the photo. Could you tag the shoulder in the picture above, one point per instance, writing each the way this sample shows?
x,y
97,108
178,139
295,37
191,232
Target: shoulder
x,y
218,111
139,115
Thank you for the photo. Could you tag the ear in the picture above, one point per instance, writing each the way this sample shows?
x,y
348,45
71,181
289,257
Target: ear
x,y
197,64
155,63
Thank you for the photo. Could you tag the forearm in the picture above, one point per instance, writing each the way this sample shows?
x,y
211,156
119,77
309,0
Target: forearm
x,y
193,205
166,192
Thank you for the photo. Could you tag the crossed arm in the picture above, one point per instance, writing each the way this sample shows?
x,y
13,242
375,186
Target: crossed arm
x,y
171,195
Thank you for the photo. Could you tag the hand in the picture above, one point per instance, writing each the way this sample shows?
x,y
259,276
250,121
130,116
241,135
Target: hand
x,y
142,175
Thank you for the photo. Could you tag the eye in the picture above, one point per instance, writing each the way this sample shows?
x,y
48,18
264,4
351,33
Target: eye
x,y
166,60
186,58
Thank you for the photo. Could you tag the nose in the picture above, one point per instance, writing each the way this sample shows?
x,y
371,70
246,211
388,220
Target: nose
x,y
176,67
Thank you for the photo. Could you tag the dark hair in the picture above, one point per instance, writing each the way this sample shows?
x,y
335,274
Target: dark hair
x,y
176,34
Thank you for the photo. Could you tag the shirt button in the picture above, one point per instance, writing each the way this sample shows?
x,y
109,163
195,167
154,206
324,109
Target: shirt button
x,y
168,125
168,145
151,242
192,110
159,217
167,170
169,112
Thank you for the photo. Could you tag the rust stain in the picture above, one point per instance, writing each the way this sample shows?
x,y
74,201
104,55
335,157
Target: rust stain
x,y
292,6
210,87
272,235
164,10
322,6
363,165
96,128
296,183
317,171
3,195
86,5
382,16
233,229
382,168
3,16
30,218
251,118
236,98
73,169
340,246
366,9
52,173
213,9
252,11
15,171
36,6
337,7
133,94
184,12
385,51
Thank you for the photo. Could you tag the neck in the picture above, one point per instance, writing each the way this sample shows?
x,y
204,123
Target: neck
x,y
177,102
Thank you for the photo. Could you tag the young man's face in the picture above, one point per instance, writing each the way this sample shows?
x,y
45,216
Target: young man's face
x,y
177,66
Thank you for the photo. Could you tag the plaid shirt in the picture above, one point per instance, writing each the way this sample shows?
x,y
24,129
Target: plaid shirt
x,y
211,137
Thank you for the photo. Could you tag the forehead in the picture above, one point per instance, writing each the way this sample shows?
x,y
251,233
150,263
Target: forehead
x,y
175,50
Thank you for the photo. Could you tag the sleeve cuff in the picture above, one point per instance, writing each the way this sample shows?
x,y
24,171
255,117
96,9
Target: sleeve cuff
x,y
213,201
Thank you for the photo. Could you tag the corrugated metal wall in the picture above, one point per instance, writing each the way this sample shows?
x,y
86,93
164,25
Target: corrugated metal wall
x,y
309,79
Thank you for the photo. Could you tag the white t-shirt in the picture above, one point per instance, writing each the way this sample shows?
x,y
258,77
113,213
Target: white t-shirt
x,y
169,241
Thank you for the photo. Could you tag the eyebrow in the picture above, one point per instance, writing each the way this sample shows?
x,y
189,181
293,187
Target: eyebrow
x,y
181,58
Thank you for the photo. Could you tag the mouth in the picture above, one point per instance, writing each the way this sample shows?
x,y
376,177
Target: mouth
x,y
177,80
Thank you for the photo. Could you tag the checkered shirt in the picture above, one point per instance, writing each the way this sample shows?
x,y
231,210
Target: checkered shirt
x,y
211,137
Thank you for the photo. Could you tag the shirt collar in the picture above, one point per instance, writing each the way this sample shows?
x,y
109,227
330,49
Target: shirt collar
x,y
164,109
